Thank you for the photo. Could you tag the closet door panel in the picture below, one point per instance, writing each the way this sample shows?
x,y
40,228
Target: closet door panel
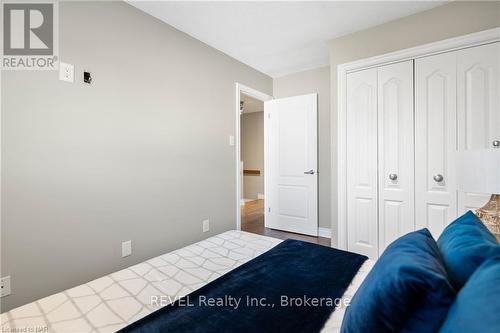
x,y
478,107
435,142
395,151
362,220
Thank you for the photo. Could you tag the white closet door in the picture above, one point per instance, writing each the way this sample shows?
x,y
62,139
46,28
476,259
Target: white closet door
x,y
395,152
478,105
362,216
435,142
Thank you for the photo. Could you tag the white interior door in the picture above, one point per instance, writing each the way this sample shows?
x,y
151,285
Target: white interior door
x,y
362,201
435,142
292,159
396,152
478,106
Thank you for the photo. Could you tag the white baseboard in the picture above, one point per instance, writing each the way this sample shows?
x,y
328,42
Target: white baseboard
x,y
260,196
325,232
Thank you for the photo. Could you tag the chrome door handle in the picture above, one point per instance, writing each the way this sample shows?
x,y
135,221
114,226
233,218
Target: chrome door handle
x,y
310,172
496,144
393,176
438,178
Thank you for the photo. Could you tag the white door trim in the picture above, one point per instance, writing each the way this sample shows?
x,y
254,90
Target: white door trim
x,y
447,45
240,88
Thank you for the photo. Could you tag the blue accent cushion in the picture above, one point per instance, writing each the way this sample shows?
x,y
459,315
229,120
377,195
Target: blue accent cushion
x,y
465,244
477,307
406,291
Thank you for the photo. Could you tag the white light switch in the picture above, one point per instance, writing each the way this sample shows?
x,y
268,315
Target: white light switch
x,y
232,141
5,286
66,72
126,248
206,225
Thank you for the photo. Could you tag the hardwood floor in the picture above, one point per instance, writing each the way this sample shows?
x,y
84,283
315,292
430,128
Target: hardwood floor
x,y
252,220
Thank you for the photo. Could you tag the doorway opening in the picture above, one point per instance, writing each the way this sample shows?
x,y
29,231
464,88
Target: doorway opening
x,y
252,191
250,185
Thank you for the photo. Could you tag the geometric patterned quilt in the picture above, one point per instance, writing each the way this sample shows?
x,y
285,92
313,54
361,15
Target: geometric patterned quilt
x,y
114,301
118,299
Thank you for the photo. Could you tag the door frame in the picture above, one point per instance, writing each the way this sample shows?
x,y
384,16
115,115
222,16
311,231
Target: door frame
x,y
447,45
241,88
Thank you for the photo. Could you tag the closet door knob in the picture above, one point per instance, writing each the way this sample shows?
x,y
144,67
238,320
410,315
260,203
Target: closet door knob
x,y
393,176
496,144
438,178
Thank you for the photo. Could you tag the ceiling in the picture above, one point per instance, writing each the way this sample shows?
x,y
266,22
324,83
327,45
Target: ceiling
x,y
277,38
251,104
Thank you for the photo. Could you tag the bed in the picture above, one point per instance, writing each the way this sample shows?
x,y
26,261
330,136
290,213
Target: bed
x,y
117,300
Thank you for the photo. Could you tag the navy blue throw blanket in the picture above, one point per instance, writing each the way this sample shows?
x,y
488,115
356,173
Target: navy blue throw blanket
x,y
293,287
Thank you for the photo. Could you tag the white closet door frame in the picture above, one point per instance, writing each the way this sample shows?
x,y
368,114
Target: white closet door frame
x,y
339,185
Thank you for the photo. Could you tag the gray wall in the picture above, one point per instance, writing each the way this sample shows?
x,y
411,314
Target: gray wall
x,y
252,152
307,82
451,20
141,154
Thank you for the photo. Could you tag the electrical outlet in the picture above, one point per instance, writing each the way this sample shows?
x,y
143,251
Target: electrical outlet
x,y
5,286
206,225
126,248
66,72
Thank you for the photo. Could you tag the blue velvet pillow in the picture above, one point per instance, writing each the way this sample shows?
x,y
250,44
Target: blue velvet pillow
x,y
477,306
465,244
406,291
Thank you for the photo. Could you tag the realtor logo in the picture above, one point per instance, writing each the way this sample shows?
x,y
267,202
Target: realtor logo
x,y
29,35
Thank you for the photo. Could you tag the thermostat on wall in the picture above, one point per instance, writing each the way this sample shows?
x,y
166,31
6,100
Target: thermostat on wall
x,y
87,77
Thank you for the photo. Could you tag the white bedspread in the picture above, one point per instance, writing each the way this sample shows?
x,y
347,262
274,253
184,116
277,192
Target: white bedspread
x,y
118,299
